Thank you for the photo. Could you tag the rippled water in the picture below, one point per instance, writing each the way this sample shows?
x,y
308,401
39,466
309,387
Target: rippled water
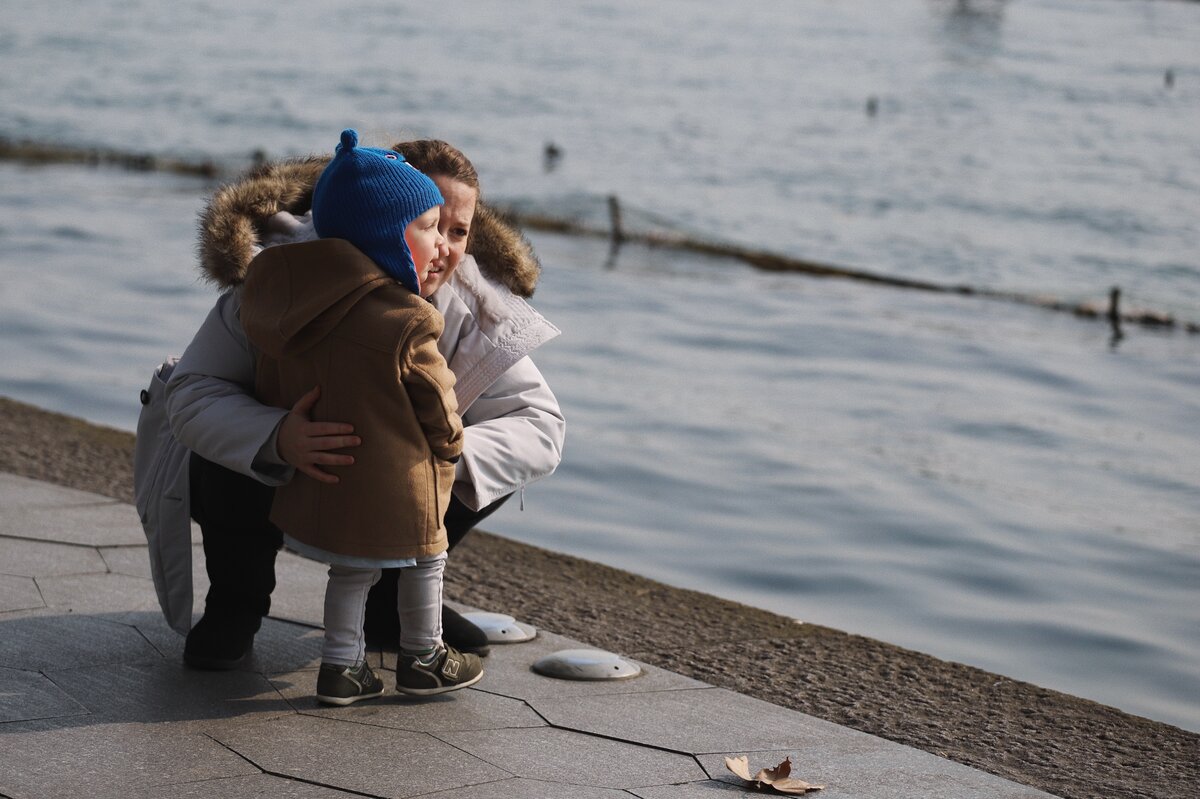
x,y
990,483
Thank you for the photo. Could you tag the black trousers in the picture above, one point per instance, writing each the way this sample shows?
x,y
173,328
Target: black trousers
x,y
240,543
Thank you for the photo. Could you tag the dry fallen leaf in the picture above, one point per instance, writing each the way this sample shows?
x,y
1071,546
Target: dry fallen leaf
x,y
739,766
773,775
777,779
793,786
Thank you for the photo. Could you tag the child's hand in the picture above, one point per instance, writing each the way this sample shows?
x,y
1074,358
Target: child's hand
x,y
306,444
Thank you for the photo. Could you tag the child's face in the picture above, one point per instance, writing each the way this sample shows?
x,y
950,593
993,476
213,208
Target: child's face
x,y
425,242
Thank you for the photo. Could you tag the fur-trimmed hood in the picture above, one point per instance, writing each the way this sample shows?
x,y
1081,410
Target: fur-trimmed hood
x,y
233,226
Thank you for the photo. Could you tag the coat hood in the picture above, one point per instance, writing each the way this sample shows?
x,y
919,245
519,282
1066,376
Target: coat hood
x,y
298,293
233,226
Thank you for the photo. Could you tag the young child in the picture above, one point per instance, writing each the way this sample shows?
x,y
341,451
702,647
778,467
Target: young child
x,y
344,312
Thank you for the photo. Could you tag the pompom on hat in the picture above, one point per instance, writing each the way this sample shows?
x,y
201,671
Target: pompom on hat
x,y
368,197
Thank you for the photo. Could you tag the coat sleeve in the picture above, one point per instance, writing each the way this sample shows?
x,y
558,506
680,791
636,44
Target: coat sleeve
x,y
514,435
211,404
430,386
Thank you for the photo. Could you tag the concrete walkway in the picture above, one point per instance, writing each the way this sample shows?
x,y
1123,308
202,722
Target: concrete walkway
x,y
95,701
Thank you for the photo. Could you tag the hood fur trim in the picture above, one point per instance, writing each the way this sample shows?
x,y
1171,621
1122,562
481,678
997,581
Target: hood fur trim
x,y
502,252
233,223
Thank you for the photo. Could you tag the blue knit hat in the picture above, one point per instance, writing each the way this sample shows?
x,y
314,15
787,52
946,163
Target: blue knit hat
x,y
368,196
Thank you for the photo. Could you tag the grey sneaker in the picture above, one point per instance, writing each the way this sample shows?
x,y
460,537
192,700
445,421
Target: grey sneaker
x,y
450,671
345,685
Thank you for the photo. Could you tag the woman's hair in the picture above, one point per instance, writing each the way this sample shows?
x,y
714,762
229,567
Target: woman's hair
x,y
436,157
502,251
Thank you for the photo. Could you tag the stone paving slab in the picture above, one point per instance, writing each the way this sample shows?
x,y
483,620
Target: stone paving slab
x,y
357,757
45,559
104,524
529,789
700,790
19,593
31,696
22,493
127,560
560,756
107,594
95,701
48,642
255,786
63,758
134,692
39,511
683,721
465,710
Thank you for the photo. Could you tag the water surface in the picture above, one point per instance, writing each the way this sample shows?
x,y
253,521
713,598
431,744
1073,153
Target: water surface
x,y
990,483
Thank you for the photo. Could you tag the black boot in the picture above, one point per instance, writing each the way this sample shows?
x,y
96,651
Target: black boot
x,y
221,642
462,634
381,623
240,545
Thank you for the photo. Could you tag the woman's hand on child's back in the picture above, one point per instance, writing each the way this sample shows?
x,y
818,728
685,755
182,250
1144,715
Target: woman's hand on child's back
x,y
306,444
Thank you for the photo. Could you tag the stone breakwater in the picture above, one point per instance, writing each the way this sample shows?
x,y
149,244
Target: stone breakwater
x,y
1051,741
1113,311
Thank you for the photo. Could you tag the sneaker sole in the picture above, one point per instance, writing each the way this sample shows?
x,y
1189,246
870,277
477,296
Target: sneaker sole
x,y
342,701
445,689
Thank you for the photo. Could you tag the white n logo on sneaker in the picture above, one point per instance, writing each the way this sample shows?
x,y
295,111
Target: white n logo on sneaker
x,y
450,670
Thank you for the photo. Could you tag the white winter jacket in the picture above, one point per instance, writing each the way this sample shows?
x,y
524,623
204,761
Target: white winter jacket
x,y
514,429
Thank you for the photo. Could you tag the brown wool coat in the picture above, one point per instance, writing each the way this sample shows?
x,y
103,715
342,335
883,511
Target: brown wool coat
x,y
322,313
